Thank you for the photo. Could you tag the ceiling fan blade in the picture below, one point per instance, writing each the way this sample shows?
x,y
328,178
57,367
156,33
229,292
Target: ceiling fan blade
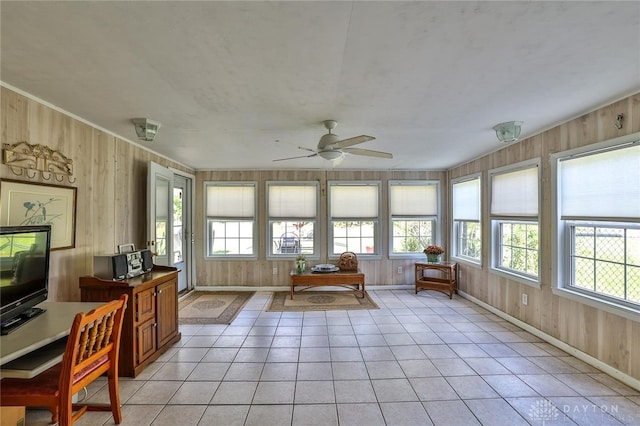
x,y
292,144
368,152
352,141
300,156
306,149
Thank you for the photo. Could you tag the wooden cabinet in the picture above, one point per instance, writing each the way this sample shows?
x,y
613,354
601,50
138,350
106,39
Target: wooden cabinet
x,y
441,276
151,319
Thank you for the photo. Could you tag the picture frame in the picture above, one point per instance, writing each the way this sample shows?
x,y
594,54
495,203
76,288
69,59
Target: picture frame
x,y
29,203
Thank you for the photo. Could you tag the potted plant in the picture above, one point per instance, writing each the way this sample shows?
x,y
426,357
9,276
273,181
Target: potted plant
x,y
301,263
434,253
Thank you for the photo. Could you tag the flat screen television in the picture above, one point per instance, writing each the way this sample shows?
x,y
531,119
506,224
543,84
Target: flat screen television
x,y
24,273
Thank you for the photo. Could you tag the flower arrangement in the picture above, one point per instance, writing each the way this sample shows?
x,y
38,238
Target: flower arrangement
x,y
433,250
301,263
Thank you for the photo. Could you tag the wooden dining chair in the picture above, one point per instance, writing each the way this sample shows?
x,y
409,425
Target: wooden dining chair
x,y
91,351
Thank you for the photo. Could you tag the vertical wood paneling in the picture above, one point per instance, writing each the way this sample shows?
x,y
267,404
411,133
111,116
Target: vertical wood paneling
x,y
610,338
220,272
102,229
110,180
633,348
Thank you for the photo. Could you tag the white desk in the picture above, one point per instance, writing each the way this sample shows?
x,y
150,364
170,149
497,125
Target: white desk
x,y
40,343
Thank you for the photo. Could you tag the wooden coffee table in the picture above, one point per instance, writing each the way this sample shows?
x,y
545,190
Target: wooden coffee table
x,y
347,279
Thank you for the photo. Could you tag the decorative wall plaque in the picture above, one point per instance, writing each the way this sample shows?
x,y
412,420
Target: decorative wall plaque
x,y
28,160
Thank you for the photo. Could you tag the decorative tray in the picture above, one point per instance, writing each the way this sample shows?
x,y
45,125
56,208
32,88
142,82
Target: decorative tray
x,y
325,267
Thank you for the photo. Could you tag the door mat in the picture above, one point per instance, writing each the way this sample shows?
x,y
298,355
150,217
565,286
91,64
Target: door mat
x,y
319,301
212,307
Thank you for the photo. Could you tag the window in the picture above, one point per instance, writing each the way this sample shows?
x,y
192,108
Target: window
x,y
514,220
413,210
467,241
292,215
598,193
230,210
353,217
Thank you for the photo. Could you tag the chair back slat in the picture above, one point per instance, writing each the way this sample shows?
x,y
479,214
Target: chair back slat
x,y
92,330
82,344
95,336
106,331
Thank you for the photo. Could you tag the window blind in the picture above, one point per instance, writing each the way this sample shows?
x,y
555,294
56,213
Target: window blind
x,y
414,200
515,193
292,201
606,184
354,201
232,201
466,200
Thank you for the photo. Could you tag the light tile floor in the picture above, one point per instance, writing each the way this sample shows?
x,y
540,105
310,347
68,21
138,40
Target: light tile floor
x,y
418,360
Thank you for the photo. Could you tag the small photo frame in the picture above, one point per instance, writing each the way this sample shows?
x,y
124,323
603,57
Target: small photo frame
x,y
26,203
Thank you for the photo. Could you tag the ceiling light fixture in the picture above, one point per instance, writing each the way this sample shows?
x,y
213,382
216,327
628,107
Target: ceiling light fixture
x,y
330,154
146,129
509,131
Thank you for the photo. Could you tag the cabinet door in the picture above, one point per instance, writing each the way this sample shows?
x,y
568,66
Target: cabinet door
x,y
145,340
167,311
145,307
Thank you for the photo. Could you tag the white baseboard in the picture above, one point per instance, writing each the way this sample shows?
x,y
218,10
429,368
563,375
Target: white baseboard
x,y
594,362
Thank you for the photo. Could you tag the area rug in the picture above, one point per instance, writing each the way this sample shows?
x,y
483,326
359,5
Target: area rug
x,y
212,307
319,301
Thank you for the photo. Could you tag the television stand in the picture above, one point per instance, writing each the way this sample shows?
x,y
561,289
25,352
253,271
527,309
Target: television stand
x,y
14,323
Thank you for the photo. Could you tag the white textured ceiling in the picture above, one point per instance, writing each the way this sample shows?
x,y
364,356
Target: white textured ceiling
x,y
226,79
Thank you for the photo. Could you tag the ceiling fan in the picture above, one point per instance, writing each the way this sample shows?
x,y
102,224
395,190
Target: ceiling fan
x,y
331,147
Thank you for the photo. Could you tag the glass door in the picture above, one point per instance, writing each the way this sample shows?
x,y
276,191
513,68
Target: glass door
x,y
160,213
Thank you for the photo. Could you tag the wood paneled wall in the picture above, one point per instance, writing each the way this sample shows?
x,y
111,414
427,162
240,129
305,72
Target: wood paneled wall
x,y
611,339
110,177
259,273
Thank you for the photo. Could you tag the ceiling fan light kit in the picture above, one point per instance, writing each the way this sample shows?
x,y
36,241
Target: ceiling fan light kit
x,y
331,147
330,154
509,131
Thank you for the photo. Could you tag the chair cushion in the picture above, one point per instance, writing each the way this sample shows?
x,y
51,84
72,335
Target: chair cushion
x,y
44,384
90,368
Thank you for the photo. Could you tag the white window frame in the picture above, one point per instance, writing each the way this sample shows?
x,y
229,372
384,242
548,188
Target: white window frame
x,y
376,220
456,224
561,233
253,220
415,216
498,219
314,219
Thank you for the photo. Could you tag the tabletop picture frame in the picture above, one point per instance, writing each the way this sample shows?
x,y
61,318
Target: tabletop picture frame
x,y
26,203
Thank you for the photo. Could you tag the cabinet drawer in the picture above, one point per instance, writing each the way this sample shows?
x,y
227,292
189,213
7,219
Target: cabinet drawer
x,y
145,306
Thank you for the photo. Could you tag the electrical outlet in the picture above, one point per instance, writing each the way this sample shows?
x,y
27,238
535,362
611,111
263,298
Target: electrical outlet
x,y
275,271
399,269
525,299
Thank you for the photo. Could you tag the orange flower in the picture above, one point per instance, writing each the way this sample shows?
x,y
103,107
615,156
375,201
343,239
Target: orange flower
x,y
433,250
